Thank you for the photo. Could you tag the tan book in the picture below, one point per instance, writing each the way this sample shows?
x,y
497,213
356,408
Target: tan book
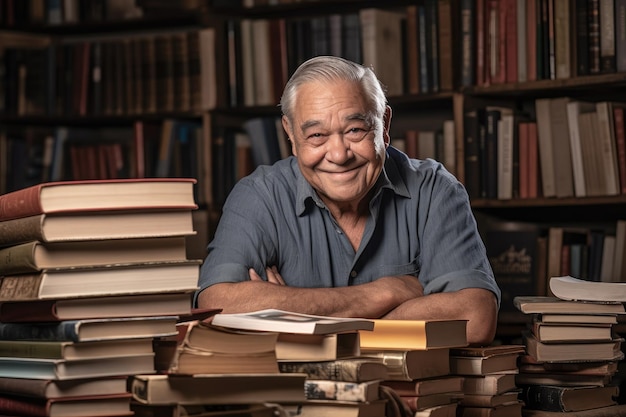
x,y
218,389
75,350
415,334
540,304
34,256
447,410
578,318
485,360
92,195
408,365
96,226
203,348
572,351
550,332
127,279
421,402
427,386
492,384
570,288
512,409
95,405
487,400
317,347
561,379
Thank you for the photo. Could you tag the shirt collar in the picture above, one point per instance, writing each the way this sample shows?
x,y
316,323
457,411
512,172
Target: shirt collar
x,y
389,178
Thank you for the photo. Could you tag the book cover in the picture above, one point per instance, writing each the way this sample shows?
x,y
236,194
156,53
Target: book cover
x,y
136,305
109,280
411,364
563,399
349,370
274,320
96,405
543,304
218,388
324,389
93,195
91,329
63,369
34,256
41,388
414,334
427,386
512,252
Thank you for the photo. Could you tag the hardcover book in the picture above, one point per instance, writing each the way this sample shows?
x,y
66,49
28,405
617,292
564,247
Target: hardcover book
x,y
127,279
35,256
96,226
570,288
96,405
540,304
218,389
91,329
412,364
119,306
42,388
98,195
563,399
324,389
317,347
74,350
415,334
349,370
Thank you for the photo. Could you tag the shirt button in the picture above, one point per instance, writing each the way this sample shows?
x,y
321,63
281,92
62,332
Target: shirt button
x,y
353,274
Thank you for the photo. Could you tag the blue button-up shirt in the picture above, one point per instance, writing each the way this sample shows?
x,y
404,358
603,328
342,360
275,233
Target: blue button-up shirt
x,y
420,224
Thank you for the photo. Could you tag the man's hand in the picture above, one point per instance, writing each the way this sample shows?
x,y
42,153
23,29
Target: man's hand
x,y
273,276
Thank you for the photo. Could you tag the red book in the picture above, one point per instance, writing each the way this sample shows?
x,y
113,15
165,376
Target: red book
x,y
97,405
620,145
98,195
510,21
533,161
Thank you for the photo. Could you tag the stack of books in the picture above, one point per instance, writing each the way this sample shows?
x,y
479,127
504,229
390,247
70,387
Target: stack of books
x,y
417,356
572,350
91,273
326,351
489,387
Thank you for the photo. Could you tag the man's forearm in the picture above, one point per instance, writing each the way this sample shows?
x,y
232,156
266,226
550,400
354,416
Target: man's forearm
x,y
476,305
370,300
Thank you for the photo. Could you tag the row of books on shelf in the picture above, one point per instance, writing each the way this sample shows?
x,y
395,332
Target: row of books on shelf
x,y
525,256
515,41
33,13
147,73
559,147
171,148
264,52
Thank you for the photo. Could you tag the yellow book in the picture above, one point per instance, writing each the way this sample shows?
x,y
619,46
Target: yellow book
x,y
415,334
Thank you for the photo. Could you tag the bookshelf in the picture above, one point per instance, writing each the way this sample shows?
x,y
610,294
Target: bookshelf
x,y
428,97
107,89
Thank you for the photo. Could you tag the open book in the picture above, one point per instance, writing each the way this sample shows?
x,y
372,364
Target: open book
x,y
569,288
273,320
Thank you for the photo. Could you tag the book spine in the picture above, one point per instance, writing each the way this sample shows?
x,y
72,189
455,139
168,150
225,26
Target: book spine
x,y
24,386
543,397
620,145
66,330
14,349
335,390
333,371
21,203
23,407
20,287
38,311
18,259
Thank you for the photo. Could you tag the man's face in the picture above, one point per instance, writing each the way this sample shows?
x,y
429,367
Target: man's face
x,y
339,149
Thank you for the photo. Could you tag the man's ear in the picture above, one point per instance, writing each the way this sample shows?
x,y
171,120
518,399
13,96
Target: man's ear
x,y
387,125
289,131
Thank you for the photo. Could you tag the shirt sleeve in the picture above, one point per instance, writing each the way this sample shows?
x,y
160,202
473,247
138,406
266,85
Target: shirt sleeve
x,y
453,254
243,239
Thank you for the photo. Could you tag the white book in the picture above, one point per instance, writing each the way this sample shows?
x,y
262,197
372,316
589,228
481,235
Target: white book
x,y
606,142
574,108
